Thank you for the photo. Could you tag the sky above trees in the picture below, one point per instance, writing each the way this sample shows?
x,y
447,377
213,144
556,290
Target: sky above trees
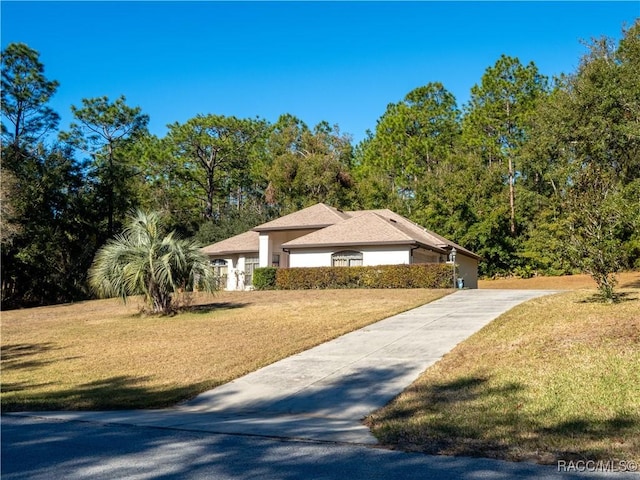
x,y
335,61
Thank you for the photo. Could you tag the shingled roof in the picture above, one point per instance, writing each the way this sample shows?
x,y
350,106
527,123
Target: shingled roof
x,y
339,228
316,216
375,227
247,242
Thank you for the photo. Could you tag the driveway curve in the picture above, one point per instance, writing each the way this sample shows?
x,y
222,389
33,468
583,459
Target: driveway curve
x,y
322,394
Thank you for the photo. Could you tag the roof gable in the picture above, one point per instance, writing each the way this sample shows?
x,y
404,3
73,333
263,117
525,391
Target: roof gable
x,y
418,232
247,242
316,216
376,227
365,229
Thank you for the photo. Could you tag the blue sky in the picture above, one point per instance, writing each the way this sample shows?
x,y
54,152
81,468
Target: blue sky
x,y
342,62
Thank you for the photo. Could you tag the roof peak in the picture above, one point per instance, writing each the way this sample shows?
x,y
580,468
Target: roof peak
x,y
316,216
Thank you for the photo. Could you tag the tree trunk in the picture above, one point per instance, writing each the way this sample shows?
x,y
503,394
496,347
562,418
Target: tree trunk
x,y
512,197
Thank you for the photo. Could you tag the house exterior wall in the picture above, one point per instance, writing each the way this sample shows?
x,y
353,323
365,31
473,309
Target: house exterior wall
x,y
235,270
310,258
468,270
266,249
382,255
271,243
376,255
422,255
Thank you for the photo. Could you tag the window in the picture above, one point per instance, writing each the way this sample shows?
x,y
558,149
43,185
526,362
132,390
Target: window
x,y
346,258
250,264
220,271
275,260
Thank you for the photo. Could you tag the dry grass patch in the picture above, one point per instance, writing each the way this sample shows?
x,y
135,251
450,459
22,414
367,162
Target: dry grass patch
x,y
555,378
104,355
567,282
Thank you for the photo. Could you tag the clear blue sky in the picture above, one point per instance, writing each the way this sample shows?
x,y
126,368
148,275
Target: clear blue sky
x,y
335,61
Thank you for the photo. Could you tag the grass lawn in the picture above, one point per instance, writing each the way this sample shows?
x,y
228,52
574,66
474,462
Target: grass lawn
x,y
569,282
103,355
555,378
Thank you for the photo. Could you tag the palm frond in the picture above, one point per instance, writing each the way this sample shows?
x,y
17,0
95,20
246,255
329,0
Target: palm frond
x,y
142,261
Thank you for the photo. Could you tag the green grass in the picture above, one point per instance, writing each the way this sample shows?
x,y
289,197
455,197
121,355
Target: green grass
x,y
555,378
104,355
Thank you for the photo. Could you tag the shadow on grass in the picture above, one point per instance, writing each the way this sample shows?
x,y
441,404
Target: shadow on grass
x,y
632,284
187,307
618,297
20,386
19,356
214,307
472,416
115,393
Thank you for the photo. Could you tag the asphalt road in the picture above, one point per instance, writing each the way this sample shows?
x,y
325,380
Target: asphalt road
x,y
45,449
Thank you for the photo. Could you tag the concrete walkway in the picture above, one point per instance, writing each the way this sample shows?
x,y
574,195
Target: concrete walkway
x,y
322,394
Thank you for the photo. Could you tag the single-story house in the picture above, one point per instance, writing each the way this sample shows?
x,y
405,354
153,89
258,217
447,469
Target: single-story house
x,y
323,236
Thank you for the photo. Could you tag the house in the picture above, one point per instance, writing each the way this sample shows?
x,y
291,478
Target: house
x,y
322,236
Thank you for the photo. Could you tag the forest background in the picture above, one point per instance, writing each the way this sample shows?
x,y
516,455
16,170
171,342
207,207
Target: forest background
x,y
536,175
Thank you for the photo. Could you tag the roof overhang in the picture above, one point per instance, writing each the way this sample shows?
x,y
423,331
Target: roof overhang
x,y
366,244
222,253
294,227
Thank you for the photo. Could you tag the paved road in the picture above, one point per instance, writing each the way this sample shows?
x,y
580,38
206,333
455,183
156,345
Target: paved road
x,y
45,449
297,418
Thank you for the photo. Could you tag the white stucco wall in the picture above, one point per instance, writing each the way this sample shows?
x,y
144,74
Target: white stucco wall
x,y
265,249
235,270
271,242
318,257
391,255
422,255
467,267
468,270
310,258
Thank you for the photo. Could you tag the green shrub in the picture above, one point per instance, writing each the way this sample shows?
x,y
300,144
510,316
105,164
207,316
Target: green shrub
x,y
383,276
264,278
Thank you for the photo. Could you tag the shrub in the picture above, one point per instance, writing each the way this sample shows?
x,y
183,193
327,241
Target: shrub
x,y
264,278
382,276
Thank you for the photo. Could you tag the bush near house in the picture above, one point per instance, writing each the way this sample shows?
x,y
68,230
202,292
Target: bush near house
x,y
382,276
264,278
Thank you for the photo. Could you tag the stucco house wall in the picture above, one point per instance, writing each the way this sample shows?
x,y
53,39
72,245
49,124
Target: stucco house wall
x,y
235,271
271,243
371,255
310,258
385,255
422,255
467,268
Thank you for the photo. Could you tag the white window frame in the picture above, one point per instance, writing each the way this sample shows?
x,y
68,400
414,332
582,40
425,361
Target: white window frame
x,y
250,264
220,271
346,258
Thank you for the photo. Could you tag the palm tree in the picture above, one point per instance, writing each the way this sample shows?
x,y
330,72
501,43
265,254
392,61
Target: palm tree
x,y
143,261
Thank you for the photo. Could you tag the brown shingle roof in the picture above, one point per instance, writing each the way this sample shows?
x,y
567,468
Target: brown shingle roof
x,y
335,227
316,216
376,227
247,242
365,229
420,233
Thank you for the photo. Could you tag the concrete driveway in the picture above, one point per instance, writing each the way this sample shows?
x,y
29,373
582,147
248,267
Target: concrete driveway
x,y
323,393
298,418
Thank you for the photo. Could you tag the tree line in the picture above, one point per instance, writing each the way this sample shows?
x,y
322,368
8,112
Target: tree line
x,y
536,175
